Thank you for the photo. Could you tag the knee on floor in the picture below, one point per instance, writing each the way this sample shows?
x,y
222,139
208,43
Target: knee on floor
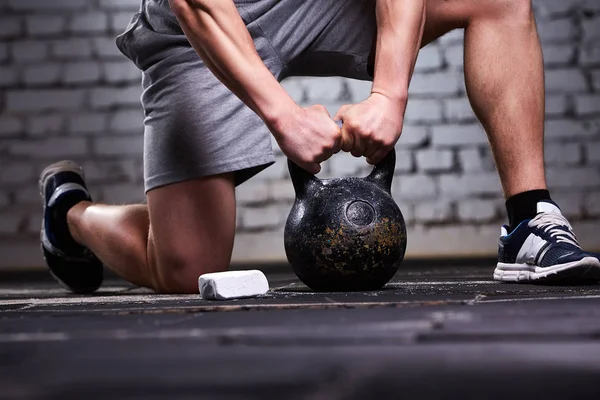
x,y
178,272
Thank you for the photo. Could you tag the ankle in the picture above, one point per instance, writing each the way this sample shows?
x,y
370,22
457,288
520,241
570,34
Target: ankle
x,y
75,217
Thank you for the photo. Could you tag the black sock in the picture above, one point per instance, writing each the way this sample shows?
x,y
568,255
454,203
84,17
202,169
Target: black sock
x,y
523,206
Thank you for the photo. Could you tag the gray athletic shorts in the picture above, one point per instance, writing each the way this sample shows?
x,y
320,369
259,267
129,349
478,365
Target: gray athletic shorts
x,y
194,126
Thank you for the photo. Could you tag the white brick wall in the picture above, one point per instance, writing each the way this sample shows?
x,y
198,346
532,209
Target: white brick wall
x,y
67,92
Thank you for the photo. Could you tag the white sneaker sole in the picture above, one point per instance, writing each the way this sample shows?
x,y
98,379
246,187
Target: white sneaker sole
x,y
588,268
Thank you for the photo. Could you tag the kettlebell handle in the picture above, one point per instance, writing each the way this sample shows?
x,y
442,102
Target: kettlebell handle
x,y
381,175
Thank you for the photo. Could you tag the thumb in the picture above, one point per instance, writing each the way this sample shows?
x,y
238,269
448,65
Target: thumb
x,y
339,115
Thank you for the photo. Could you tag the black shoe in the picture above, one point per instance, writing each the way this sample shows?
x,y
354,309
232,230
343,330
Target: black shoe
x,y
545,249
74,266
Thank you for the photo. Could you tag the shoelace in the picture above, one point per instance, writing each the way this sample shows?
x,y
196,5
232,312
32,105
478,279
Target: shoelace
x,y
557,226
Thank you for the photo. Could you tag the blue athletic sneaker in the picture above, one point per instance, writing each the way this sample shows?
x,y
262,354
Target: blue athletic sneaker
x,y
73,265
544,249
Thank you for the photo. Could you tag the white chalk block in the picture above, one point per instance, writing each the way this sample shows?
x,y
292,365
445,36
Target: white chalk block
x,y
232,284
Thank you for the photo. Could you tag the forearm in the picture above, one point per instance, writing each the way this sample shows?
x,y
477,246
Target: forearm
x,y
219,36
399,30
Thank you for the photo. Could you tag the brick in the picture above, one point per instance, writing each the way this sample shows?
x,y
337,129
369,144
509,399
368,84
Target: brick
x,y
16,172
404,161
10,222
38,25
466,185
10,126
111,146
359,90
97,171
10,27
564,128
42,74
453,37
596,79
50,148
558,30
471,160
92,22
590,5
3,51
106,48
260,218
44,5
413,137
558,54
323,90
592,204
571,203
562,154
281,191
131,5
253,192
8,76
592,150
121,72
29,51
583,177
455,56
127,121
556,105
429,58
458,135
589,55
87,123
294,88
433,211
552,8
423,111
565,81
438,83
587,104
81,72
591,29
113,97
344,164
124,193
44,125
119,21
433,160
39,100
477,210
71,48
414,187
459,110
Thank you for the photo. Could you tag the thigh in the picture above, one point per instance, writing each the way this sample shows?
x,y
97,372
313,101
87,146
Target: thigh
x,y
195,126
192,227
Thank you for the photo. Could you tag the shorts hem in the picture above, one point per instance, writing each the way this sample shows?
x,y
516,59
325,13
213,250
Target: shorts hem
x,y
244,169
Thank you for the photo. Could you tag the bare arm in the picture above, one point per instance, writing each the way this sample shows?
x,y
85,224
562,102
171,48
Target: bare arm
x,y
372,128
215,29
219,36
399,31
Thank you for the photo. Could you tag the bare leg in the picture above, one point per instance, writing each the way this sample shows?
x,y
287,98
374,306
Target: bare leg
x,y
505,81
187,229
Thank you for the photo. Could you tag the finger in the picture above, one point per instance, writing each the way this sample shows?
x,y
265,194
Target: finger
x,y
347,140
371,148
377,156
313,168
359,147
339,115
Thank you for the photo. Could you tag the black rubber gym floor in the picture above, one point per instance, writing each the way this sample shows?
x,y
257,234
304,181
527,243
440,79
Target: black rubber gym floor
x,y
436,331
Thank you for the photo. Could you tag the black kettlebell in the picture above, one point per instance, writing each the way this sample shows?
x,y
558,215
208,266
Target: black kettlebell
x,y
345,234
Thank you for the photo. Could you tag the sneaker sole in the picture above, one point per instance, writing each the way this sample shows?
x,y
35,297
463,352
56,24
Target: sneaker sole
x,y
61,166
585,270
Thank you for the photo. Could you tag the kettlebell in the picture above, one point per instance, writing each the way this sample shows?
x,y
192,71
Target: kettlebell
x,y
345,234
